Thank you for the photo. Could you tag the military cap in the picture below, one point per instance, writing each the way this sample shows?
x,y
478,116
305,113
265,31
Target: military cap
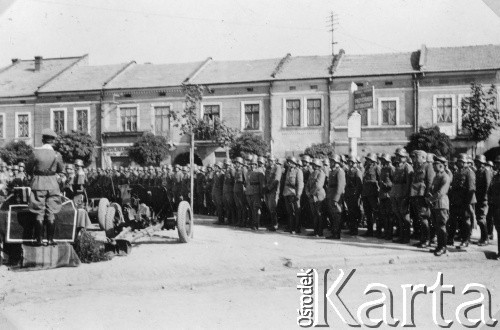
x,y
372,157
481,159
238,160
78,162
21,164
386,157
292,159
335,159
497,159
261,160
47,132
440,159
306,159
401,152
463,157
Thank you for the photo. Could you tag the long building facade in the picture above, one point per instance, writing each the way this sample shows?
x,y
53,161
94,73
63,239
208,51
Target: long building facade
x,y
292,102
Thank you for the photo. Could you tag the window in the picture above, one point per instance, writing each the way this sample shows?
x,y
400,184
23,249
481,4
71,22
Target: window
x,y
23,125
210,112
82,120
58,121
313,112
388,112
292,112
444,109
252,117
128,118
162,120
364,117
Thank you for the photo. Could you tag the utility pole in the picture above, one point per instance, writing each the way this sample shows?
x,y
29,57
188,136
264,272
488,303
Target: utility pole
x,y
333,21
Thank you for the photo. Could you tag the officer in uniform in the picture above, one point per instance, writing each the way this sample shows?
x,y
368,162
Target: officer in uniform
x,y
352,195
423,175
335,195
45,199
294,184
239,191
228,192
385,186
400,194
255,192
273,178
371,176
483,181
217,188
462,195
315,192
437,197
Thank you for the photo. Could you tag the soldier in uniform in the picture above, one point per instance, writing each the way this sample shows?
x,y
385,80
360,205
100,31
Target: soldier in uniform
x,y
385,186
217,187
209,181
271,190
255,192
228,192
294,184
3,182
335,195
483,181
494,200
177,185
45,200
489,216
352,195
400,194
315,192
437,197
186,183
200,190
239,191
305,206
369,194
462,195
422,178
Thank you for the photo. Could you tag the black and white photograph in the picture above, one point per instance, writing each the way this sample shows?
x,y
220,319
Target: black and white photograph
x,y
265,164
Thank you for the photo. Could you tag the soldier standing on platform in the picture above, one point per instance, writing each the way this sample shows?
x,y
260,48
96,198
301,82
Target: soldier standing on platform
x,y
254,192
385,185
422,178
371,176
483,181
400,194
217,187
45,199
335,195
272,186
352,195
462,195
294,184
228,192
239,191
439,203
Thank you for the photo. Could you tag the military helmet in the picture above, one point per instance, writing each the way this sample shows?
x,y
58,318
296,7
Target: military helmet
x,y
227,161
253,160
497,159
9,167
238,160
15,168
69,166
261,159
430,157
440,159
463,157
78,162
317,162
47,132
178,166
481,159
21,164
115,168
489,163
292,159
279,161
169,167
401,152
371,156
299,163
343,158
306,159
336,159
352,159
218,164
386,157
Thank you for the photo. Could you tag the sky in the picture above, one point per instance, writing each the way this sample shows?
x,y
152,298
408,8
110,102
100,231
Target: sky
x,y
169,31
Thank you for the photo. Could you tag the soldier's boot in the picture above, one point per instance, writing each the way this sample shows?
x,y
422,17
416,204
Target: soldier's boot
x,y
38,233
51,229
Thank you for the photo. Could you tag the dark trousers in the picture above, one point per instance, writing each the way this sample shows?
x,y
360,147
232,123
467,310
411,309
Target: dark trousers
x,y
317,216
272,205
353,213
334,213
293,210
255,202
219,207
439,219
496,221
490,220
229,207
386,217
370,205
421,217
481,212
460,216
400,208
240,203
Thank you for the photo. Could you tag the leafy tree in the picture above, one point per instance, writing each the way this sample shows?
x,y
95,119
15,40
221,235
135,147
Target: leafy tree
x,y
15,152
248,143
149,149
320,150
480,114
431,140
76,145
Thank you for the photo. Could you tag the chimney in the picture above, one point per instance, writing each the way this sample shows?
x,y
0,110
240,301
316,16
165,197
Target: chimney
x,y
38,63
15,60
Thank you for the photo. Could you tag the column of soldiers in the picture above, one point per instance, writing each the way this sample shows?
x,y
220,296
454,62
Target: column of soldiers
x,y
396,197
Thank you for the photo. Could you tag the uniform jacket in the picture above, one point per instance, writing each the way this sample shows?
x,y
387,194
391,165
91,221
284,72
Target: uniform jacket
x,y
354,183
43,167
229,177
422,178
240,179
255,183
483,181
315,185
336,184
294,182
463,187
371,178
218,183
439,191
385,182
273,178
402,181
494,191
177,182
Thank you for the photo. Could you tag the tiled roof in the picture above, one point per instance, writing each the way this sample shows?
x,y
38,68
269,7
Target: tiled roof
x,y
236,71
301,67
21,79
153,75
82,78
481,57
377,64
